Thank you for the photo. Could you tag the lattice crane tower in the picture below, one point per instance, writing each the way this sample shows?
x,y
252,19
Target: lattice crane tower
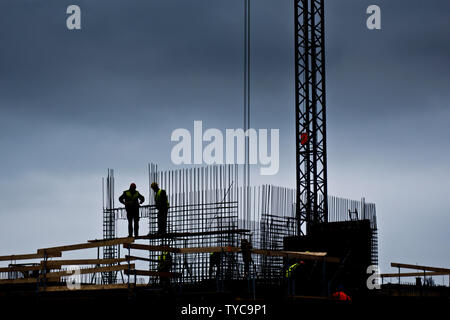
x,y
310,112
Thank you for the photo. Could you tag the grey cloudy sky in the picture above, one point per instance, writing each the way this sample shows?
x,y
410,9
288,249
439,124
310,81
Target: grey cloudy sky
x,y
73,103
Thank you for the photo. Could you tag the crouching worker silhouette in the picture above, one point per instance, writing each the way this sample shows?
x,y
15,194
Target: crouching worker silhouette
x,y
293,274
165,265
132,199
215,260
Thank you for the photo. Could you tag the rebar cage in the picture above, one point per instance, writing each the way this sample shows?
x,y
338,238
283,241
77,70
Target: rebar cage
x,y
210,199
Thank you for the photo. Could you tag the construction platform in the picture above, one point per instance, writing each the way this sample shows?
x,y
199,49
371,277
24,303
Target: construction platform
x,y
47,273
47,281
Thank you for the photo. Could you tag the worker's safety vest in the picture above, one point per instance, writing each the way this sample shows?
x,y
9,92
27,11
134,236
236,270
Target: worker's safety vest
x,y
291,269
158,197
165,260
132,197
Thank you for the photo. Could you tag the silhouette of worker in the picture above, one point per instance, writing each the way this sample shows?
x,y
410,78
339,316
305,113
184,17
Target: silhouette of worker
x,y
215,259
162,205
132,199
246,248
165,265
294,273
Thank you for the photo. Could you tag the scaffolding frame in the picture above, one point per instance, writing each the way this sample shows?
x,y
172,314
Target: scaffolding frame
x,y
206,206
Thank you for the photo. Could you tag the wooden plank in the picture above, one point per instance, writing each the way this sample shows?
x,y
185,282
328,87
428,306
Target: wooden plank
x,y
23,281
91,287
52,263
88,245
150,248
277,253
191,234
322,256
88,270
18,281
413,274
59,274
181,250
101,240
127,257
412,266
56,264
287,254
22,268
209,249
29,256
153,273
304,253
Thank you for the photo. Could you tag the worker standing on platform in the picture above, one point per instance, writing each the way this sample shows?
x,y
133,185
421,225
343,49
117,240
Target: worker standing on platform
x,y
132,199
246,248
162,205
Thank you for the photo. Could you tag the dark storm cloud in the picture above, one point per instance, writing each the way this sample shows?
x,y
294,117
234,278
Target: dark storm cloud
x,y
395,69
131,55
128,55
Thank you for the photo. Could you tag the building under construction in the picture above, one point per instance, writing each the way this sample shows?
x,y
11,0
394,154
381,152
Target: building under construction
x,y
207,211
208,214
332,241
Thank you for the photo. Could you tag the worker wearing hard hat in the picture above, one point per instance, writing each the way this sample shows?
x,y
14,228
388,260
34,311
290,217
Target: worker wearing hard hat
x,y
131,198
341,295
162,205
